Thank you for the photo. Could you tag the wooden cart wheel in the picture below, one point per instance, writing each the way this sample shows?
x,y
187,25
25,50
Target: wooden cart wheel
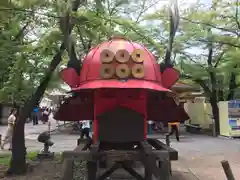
x,y
122,71
106,56
138,71
107,71
122,56
138,56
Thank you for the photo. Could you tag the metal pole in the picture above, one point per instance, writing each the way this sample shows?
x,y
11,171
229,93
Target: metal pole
x,y
227,170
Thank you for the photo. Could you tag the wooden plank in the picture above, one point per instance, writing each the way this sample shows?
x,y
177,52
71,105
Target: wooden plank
x,y
149,161
227,169
67,169
79,148
113,155
158,145
92,165
83,141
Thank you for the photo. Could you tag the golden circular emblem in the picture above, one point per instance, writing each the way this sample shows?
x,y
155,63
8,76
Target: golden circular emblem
x,y
106,56
138,56
122,56
107,71
122,71
138,71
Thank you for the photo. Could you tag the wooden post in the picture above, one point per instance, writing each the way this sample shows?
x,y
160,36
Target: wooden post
x,y
227,170
67,169
0,139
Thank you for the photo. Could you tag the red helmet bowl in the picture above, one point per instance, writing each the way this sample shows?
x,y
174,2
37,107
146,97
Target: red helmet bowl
x,y
90,77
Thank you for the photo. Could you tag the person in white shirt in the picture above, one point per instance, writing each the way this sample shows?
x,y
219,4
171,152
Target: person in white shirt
x,y
9,133
85,128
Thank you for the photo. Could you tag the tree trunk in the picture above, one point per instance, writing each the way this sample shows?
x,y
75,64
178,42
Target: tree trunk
x,y
220,95
214,102
232,86
18,159
215,112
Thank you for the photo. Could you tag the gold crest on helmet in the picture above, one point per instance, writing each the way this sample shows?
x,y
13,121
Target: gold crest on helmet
x,y
106,56
122,71
107,71
138,71
138,56
122,56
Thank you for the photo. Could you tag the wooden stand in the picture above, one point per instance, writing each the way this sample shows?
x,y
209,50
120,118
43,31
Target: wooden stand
x,y
155,157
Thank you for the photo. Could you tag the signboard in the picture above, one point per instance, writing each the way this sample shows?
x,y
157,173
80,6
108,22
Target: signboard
x,y
234,114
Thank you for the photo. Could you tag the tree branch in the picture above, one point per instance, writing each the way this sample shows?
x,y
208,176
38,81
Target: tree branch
x,y
192,60
81,38
211,25
198,81
218,59
237,13
210,48
232,85
20,33
220,42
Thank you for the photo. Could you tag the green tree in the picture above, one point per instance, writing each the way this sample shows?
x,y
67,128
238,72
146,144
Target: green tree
x,y
216,67
206,47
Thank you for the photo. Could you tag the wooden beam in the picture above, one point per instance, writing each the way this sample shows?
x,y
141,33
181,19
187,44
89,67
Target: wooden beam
x,y
227,170
158,145
112,155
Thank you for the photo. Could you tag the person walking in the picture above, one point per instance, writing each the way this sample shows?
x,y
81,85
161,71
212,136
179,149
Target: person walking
x,y
8,137
35,115
174,127
85,129
45,115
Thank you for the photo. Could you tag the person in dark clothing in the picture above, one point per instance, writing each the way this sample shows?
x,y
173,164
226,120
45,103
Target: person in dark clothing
x,y
45,115
35,115
174,128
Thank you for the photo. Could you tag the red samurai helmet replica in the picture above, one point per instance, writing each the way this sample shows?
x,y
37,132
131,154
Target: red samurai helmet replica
x,y
120,88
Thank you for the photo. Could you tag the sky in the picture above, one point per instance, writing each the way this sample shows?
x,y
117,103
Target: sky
x,y
183,4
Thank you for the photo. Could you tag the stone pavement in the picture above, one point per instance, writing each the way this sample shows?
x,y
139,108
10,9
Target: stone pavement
x,y
202,155
199,155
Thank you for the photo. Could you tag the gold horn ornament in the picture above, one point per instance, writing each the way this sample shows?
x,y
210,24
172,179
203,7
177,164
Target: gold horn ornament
x,y
107,71
106,56
122,56
138,71
138,56
122,71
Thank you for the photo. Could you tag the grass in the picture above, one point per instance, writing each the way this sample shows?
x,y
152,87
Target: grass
x,y
5,158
